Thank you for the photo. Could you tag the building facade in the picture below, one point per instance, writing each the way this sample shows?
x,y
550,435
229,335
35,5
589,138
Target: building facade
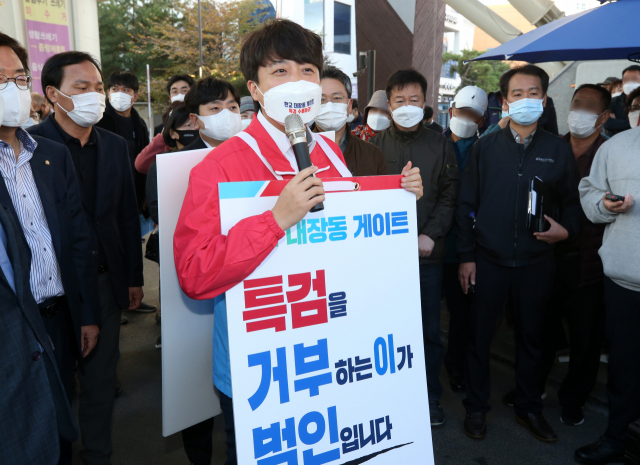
x,y
335,22
50,27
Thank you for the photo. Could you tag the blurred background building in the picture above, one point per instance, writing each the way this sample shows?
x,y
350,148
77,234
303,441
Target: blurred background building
x,y
48,27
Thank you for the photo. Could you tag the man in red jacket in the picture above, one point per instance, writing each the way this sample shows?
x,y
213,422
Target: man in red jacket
x,y
281,63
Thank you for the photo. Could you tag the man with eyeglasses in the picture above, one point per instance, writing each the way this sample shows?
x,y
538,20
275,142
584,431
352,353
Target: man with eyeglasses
x,y
362,158
40,191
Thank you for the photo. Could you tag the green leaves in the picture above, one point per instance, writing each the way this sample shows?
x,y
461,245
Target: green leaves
x,y
164,33
484,74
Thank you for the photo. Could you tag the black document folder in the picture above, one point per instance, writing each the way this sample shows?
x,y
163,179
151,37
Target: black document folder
x,y
543,200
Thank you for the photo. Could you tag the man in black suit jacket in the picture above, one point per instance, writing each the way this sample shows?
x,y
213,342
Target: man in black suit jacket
x,y
34,411
73,85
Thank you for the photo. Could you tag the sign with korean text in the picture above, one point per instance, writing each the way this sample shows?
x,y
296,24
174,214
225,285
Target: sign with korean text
x,y
47,27
325,336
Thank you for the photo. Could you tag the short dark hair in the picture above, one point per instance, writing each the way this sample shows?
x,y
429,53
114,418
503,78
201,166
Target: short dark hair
x,y
428,113
176,118
404,77
605,95
631,68
169,109
632,96
331,72
354,103
279,39
124,78
180,77
208,90
529,70
53,70
18,49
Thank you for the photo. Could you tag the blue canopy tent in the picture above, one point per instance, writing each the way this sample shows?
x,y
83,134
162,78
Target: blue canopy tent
x,y
609,32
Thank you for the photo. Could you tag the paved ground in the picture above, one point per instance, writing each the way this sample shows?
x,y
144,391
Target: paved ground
x,y
137,423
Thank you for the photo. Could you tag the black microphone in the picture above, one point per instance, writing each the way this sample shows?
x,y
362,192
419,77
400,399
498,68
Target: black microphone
x,y
297,134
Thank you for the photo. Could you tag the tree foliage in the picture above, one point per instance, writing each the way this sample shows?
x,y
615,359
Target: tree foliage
x,y
165,35
484,74
121,22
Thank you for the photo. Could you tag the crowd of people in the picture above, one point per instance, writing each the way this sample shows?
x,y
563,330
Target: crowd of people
x,y
79,172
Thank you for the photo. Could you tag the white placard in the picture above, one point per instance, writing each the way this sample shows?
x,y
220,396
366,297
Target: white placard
x,y
338,304
188,395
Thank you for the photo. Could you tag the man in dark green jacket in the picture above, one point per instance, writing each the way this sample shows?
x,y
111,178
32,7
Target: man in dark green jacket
x,y
407,140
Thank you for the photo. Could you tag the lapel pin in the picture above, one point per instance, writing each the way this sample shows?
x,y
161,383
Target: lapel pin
x,y
46,162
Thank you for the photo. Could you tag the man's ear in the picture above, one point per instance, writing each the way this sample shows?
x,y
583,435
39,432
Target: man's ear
x,y
253,90
505,105
350,107
52,94
450,112
135,97
194,121
544,100
603,118
389,107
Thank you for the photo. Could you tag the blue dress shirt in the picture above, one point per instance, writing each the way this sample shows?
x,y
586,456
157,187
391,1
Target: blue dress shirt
x,y
5,263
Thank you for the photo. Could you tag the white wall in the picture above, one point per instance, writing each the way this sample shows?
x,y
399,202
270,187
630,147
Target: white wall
x,y
85,34
406,9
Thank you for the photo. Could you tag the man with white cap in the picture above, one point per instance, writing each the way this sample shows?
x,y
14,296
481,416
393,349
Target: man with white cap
x,y
466,113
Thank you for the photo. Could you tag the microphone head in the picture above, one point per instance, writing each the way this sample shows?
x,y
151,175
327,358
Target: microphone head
x,y
293,124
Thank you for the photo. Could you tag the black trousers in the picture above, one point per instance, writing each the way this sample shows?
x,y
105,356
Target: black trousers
x,y
97,377
583,309
622,327
197,439
60,329
459,306
529,288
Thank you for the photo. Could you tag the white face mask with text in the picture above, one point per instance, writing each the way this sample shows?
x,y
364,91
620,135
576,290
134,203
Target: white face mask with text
x,y
301,97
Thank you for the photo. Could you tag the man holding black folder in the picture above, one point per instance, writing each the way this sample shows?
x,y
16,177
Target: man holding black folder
x,y
500,255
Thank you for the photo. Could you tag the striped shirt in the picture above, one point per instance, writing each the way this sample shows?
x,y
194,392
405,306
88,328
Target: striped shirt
x,y
45,278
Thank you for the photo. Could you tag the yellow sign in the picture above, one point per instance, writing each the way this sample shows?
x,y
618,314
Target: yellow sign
x,y
46,11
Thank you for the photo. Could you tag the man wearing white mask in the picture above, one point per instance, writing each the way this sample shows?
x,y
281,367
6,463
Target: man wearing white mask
x,y
408,141
122,119
40,191
177,87
619,120
72,82
500,256
578,287
466,114
214,111
362,158
281,62
214,107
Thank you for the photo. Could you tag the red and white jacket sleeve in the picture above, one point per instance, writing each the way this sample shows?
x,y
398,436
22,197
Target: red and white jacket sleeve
x,y
209,263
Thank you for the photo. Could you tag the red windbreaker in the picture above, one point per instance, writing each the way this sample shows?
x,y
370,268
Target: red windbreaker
x,y
209,263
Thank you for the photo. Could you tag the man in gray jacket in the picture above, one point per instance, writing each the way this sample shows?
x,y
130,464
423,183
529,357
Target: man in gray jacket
x,y
616,170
